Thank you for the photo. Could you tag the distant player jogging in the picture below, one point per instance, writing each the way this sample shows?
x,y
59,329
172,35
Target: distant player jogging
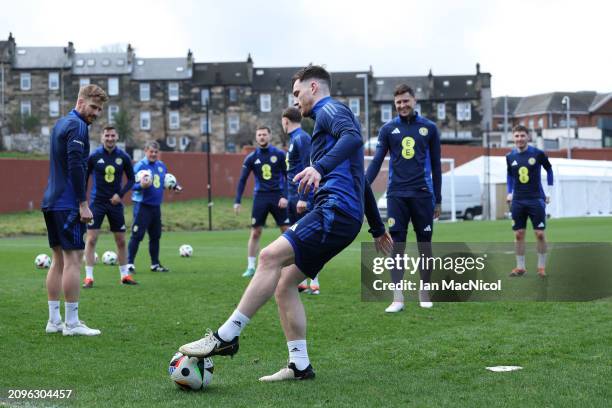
x,y
334,222
108,163
268,165
527,197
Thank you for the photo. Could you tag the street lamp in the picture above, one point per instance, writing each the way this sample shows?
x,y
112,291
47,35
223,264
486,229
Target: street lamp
x,y
566,101
367,111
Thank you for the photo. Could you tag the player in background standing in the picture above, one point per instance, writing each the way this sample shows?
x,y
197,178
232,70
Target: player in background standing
x,y
527,197
415,182
147,196
108,163
298,158
337,176
268,165
66,210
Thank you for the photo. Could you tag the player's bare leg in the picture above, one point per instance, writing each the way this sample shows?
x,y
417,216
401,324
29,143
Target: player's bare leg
x,y
126,278
252,251
70,285
90,257
519,249
542,248
54,291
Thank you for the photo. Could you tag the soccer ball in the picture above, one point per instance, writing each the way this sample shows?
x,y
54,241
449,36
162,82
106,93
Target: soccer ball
x,y
42,261
142,175
169,181
109,258
190,373
186,250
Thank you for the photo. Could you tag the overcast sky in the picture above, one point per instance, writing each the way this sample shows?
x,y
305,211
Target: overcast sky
x,y
528,46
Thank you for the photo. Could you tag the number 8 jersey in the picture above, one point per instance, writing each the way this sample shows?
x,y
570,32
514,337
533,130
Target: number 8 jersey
x,y
414,168
524,173
108,169
270,170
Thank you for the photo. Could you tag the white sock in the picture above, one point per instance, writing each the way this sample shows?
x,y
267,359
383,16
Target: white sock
x,y
251,262
398,296
54,311
298,354
520,261
541,260
89,272
233,326
72,313
304,283
315,281
123,270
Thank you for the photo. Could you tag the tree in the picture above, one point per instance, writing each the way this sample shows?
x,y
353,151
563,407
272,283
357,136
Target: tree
x,y
123,126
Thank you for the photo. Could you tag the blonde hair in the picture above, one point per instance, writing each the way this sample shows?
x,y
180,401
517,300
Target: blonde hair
x,y
93,92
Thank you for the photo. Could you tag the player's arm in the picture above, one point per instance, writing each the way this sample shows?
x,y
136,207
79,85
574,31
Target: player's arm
x,y
283,166
129,174
549,175
77,170
435,155
382,239
302,149
244,175
137,186
90,168
509,180
382,147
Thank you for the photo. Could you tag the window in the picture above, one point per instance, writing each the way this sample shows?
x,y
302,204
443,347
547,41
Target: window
x,y
174,119
145,92
91,62
80,63
173,91
106,62
145,120
112,111
466,134
54,108
417,108
469,82
385,113
204,123
290,99
441,111
446,84
354,105
26,108
448,134
464,111
184,142
171,141
265,102
233,123
530,123
541,123
113,86
53,80
26,81
205,97
83,82
232,94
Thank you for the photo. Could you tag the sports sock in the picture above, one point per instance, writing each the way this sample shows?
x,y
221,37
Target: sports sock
x,y
72,313
233,326
304,283
315,281
251,262
89,272
398,296
520,261
298,354
54,311
541,260
123,270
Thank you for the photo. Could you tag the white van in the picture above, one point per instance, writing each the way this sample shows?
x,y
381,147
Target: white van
x,y
468,198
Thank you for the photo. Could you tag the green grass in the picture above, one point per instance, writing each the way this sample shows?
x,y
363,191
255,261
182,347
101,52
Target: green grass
x,y
424,358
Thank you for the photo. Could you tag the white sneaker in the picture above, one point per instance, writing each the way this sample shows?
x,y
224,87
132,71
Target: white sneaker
x,y
80,329
395,307
424,299
290,373
54,327
210,345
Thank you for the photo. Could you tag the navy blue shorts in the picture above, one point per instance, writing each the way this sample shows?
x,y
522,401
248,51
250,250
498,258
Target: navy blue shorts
x,y
319,236
147,218
114,213
264,204
418,210
293,214
535,209
65,229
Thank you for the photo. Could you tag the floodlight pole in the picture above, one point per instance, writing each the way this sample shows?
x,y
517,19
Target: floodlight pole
x,y
566,101
208,186
367,107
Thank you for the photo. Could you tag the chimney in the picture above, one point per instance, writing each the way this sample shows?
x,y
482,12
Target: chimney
x,y
69,50
130,54
189,57
478,68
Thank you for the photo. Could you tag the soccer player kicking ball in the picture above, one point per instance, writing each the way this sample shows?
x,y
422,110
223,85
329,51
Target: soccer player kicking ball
x,y
298,158
147,196
66,210
333,223
270,194
415,182
527,197
108,163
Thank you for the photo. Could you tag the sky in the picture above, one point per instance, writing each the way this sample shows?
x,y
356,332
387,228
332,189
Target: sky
x,y
529,47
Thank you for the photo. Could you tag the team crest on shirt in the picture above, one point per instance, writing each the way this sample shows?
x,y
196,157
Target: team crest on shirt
x,y
119,161
391,221
423,131
531,161
135,228
273,159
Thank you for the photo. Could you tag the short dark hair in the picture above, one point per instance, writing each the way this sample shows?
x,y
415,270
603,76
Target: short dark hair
x,y
293,114
109,127
313,72
520,128
402,89
262,127
152,144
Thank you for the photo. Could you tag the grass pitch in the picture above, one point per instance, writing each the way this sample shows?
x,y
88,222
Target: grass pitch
x,y
362,357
